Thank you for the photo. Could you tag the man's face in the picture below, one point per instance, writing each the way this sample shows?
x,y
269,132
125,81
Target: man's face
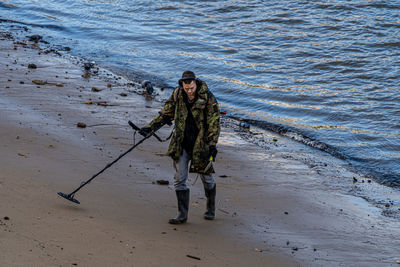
x,y
190,89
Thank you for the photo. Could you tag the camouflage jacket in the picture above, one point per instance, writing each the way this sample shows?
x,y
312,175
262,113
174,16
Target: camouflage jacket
x,y
207,117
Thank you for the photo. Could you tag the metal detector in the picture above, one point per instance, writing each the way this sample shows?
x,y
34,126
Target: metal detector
x,y
71,196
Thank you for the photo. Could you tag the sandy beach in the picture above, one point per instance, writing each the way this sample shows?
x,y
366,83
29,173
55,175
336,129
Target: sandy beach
x,y
275,206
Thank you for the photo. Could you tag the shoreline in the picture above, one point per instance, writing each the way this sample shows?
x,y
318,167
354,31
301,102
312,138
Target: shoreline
x,y
271,208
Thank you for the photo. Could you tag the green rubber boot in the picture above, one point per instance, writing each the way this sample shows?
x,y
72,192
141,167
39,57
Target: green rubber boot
x,y
183,206
210,194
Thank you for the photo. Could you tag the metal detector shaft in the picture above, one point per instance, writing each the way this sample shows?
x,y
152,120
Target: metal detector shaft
x,y
108,165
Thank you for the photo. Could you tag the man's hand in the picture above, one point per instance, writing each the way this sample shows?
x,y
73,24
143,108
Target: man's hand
x,y
146,132
213,152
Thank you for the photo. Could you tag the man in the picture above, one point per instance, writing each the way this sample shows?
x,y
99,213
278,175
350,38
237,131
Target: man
x,y
197,126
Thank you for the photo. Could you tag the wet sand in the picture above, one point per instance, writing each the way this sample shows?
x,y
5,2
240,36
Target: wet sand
x,y
273,209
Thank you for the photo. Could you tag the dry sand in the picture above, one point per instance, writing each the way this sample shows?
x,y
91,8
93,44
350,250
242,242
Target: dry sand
x,y
272,208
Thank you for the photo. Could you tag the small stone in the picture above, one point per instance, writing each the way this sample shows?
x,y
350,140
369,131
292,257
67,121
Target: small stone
x,y
39,82
88,65
59,85
257,250
21,82
32,66
295,248
398,261
104,104
387,205
88,102
355,180
163,182
6,218
109,85
81,125
95,89
244,124
35,38
369,181
123,94
286,212
148,87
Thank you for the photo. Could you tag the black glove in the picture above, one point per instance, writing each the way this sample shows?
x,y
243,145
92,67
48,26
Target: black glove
x,y
213,152
145,131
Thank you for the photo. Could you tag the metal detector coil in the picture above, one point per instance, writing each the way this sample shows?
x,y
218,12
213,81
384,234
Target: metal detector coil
x,y
71,196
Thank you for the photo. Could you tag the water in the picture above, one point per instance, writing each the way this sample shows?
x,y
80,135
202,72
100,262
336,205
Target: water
x,y
323,72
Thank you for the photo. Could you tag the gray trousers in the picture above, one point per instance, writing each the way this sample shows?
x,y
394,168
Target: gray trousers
x,y
181,167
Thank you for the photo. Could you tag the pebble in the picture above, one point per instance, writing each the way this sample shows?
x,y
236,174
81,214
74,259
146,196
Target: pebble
x,y
32,66
88,65
35,38
6,218
244,124
163,182
81,125
95,89
39,82
398,261
148,86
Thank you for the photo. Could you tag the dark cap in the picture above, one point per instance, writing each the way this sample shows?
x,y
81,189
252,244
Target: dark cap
x,y
188,76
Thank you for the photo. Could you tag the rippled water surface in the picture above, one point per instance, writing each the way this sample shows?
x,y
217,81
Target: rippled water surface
x,y
324,72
